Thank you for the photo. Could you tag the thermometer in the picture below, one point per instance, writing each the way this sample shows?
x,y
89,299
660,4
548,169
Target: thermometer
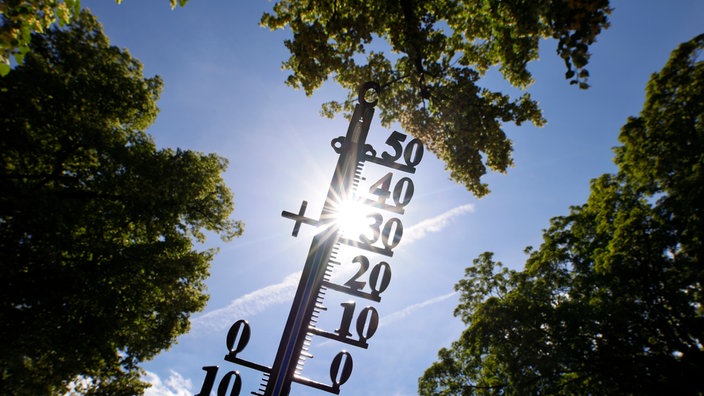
x,y
384,199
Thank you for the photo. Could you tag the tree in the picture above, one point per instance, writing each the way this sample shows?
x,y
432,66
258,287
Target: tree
x,y
612,302
22,18
97,226
432,56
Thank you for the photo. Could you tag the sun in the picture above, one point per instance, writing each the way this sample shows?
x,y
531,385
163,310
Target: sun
x,y
352,218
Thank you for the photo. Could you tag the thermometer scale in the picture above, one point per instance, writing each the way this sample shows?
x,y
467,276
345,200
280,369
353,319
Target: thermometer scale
x,y
380,236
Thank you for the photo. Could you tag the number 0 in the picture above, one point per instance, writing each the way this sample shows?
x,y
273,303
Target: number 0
x,y
397,227
413,152
403,191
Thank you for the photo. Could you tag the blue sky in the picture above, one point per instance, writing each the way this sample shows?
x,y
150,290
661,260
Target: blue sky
x,y
224,93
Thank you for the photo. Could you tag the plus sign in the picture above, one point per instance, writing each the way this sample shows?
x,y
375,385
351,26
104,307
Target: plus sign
x,y
299,218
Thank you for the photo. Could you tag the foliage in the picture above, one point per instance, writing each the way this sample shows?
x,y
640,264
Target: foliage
x,y
97,225
436,52
612,301
22,18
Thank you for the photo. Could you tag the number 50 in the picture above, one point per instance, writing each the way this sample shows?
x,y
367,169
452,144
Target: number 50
x,y
412,154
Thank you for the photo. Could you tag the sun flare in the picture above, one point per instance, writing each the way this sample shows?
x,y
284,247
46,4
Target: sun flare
x,y
352,218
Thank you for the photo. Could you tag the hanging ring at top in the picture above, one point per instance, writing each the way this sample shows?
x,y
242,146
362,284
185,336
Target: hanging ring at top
x,y
364,93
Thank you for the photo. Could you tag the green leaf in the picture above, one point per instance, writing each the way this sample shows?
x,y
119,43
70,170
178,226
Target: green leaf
x,y
434,55
615,283
102,219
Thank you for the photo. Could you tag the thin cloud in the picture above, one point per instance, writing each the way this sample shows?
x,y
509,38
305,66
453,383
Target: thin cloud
x,y
398,315
434,224
175,385
284,291
401,314
248,305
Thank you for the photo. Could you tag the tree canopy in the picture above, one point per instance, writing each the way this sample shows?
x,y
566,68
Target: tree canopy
x,y
22,18
429,56
99,271
430,61
612,301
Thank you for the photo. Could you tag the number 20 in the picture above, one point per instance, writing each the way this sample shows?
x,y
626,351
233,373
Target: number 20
x,y
379,277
